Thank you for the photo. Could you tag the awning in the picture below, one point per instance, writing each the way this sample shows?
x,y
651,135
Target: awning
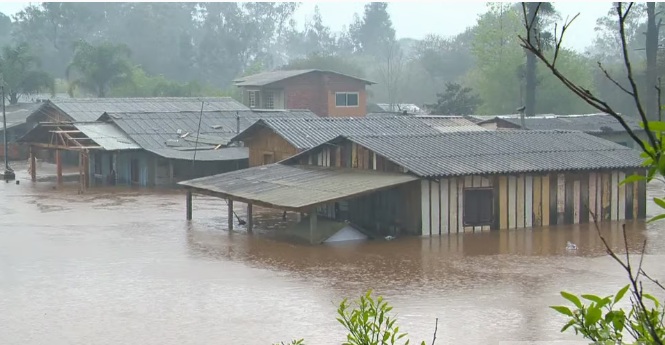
x,y
294,188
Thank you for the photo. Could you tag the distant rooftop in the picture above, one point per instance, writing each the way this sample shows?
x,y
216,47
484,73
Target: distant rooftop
x,y
588,123
18,113
90,109
266,78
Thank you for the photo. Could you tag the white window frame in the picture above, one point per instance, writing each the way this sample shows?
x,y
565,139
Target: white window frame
x,y
347,99
269,95
253,96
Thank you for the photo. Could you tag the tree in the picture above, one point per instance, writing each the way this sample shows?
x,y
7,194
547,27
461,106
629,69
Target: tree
x,y
534,16
5,29
327,62
392,73
374,33
98,68
21,74
642,321
456,100
651,48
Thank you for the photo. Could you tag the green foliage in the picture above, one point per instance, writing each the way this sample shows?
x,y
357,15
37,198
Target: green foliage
x,y
326,62
293,342
456,100
368,321
21,74
97,68
374,33
603,323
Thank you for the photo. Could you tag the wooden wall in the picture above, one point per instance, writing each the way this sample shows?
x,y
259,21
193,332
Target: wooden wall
x,y
522,201
265,141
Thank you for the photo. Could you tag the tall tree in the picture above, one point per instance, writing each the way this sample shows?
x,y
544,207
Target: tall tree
x,y
392,72
5,29
535,10
651,47
21,74
98,68
374,33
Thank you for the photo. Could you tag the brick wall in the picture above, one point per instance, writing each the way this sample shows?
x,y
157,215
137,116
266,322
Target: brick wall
x,y
316,92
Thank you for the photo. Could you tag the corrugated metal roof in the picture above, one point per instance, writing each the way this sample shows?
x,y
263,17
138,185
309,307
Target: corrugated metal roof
x,y
447,124
222,154
296,187
305,133
90,109
108,136
168,129
265,78
588,123
500,152
18,113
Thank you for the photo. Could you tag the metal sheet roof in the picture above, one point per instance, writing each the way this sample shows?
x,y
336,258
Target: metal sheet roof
x,y
90,109
265,78
588,123
176,129
222,154
500,152
107,135
18,113
295,187
447,124
304,133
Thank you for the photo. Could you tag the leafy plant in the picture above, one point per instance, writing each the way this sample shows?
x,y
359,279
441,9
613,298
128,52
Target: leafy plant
x,y
293,342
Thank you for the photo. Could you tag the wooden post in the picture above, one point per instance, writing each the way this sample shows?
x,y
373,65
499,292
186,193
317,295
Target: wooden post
x,y
33,165
58,167
230,203
189,205
313,219
250,218
81,183
86,169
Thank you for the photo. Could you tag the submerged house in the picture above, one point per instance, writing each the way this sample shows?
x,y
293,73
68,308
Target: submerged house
x,y
271,140
600,125
151,148
17,126
435,184
326,93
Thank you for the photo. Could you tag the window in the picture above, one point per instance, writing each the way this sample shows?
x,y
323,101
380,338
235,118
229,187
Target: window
x,y
253,97
478,206
269,100
346,99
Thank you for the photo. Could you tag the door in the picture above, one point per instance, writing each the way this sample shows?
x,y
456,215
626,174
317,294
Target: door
x,y
134,167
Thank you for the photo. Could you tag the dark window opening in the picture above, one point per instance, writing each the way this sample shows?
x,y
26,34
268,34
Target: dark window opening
x,y
478,206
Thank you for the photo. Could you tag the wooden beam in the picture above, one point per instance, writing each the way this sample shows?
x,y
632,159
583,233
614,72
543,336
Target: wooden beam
x,y
64,147
250,218
189,205
230,214
58,167
33,165
65,131
313,222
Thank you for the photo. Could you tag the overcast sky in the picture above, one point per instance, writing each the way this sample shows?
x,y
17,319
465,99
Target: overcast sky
x,y
415,19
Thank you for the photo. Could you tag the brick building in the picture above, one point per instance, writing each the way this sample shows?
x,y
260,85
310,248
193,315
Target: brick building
x,y
325,93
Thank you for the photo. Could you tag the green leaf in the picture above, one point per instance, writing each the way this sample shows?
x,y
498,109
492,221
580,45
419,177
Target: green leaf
x,y
593,298
632,178
567,325
572,298
656,126
658,217
593,315
660,202
621,293
651,298
563,310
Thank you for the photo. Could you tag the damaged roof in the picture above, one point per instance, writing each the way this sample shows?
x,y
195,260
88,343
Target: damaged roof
x,y
304,133
497,152
295,187
266,78
588,123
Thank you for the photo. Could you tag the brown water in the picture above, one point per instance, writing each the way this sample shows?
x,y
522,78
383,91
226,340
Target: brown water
x,y
124,267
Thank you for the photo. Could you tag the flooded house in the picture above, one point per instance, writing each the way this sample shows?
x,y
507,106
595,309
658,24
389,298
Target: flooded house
x,y
439,183
326,93
17,126
271,140
600,125
146,146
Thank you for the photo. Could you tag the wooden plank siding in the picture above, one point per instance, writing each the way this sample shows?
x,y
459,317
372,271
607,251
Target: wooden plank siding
x,y
267,142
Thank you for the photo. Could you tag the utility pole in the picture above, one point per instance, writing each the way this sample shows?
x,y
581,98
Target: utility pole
x,y
8,173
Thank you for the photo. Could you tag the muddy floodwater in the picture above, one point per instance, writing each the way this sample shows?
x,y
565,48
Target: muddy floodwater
x,y
124,267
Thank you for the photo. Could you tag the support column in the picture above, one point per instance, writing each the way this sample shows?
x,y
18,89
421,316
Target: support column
x,y
81,181
189,205
313,220
86,169
230,203
33,165
58,167
250,218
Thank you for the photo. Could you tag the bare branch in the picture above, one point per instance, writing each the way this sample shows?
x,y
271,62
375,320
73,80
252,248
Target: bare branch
x,y
607,75
436,328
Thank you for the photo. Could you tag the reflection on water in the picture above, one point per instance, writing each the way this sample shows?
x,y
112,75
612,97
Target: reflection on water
x,y
122,266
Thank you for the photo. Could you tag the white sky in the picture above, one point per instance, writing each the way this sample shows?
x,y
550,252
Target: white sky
x,y
415,18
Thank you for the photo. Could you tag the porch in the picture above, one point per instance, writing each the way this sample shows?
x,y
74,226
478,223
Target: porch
x,y
372,200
